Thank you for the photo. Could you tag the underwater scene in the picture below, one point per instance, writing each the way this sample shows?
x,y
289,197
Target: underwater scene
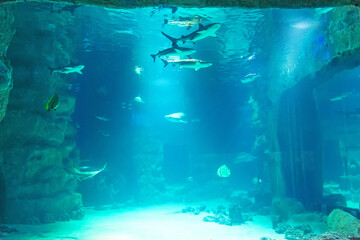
x,y
174,123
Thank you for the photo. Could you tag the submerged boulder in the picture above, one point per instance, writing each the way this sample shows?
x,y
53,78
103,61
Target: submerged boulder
x,y
344,223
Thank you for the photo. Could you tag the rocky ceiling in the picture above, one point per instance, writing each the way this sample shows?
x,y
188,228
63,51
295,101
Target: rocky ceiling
x,y
205,3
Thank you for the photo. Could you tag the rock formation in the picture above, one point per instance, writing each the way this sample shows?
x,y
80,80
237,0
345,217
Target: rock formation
x,y
36,145
207,3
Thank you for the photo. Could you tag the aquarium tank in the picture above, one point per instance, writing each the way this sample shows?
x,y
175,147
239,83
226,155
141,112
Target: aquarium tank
x,y
179,120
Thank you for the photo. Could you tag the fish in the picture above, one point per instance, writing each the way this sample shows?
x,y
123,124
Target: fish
x,y
204,31
244,157
250,78
184,21
138,70
102,118
188,63
52,103
71,68
178,117
83,175
341,96
223,171
138,99
175,50
256,180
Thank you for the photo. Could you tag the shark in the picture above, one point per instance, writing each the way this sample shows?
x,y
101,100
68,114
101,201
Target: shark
x,y
82,175
175,50
204,31
71,68
188,63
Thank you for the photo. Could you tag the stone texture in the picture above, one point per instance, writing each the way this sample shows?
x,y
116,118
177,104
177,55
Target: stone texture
x,y
6,34
38,146
205,3
343,223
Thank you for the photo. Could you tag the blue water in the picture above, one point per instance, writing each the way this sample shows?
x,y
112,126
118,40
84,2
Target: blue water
x,y
114,42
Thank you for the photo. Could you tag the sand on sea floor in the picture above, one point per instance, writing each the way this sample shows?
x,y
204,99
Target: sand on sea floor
x,y
149,223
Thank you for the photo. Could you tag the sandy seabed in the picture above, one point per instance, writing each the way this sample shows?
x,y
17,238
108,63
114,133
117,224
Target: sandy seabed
x,y
150,223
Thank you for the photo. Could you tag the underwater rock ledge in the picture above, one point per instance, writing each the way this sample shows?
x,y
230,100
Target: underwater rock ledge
x,y
206,3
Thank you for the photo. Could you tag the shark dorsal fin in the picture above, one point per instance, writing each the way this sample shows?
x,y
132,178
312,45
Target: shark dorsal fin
x,y
175,45
201,26
190,57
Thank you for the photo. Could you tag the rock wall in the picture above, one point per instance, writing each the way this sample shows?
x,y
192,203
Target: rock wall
x,y
6,34
205,3
344,53
38,146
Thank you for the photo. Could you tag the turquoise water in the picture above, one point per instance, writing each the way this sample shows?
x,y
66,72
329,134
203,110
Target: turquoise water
x,y
252,128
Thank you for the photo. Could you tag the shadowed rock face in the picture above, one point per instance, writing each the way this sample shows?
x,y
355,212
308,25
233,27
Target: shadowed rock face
x,y
206,3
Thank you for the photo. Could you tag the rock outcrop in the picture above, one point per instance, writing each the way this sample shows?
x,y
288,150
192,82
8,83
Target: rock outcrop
x,y
207,3
343,223
36,146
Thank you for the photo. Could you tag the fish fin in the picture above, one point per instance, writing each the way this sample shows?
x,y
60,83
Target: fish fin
x,y
188,27
172,39
165,62
213,35
153,56
177,50
189,57
79,72
196,69
166,21
201,26
174,9
51,70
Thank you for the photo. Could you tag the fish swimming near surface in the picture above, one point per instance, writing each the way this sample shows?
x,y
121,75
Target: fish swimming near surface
x,y
188,63
71,68
175,50
204,31
223,171
52,103
83,175
184,21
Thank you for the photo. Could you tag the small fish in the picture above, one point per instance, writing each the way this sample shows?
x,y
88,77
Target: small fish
x,y
250,78
102,118
138,99
71,68
52,103
184,21
223,171
256,180
138,70
179,117
340,97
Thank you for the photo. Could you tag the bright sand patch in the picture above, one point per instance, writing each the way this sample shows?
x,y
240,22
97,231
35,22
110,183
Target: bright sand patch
x,y
149,223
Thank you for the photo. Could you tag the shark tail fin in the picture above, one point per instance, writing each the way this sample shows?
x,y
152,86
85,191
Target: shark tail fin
x,y
51,70
172,39
165,62
153,56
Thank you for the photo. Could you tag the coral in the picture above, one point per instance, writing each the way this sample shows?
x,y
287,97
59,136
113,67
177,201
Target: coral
x,y
343,223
